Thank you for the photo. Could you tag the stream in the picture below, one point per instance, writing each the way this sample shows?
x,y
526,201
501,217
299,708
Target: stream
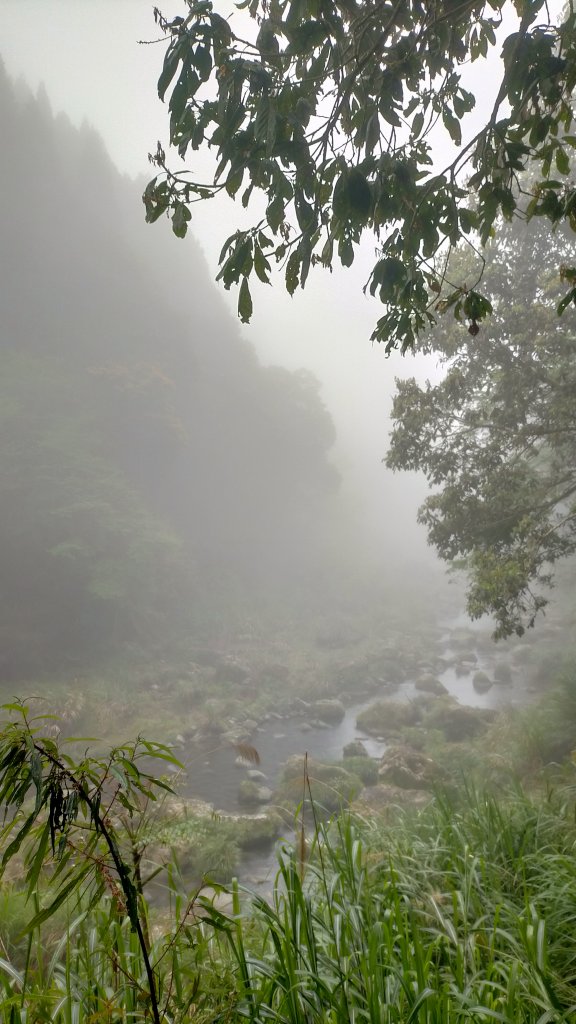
x,y
214,774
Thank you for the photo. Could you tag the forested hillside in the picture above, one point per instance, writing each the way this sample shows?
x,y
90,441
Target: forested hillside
x,y
155,477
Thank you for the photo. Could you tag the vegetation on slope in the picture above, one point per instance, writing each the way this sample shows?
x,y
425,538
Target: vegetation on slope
x,y
461,911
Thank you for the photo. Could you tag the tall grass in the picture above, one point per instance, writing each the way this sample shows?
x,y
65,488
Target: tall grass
x,y
466,912
95,974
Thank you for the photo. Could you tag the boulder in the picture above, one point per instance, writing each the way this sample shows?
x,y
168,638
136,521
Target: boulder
x,y
463,723
386,718
329,711
382,797
355,749
502,673
409,769
251,793
481,682
428,683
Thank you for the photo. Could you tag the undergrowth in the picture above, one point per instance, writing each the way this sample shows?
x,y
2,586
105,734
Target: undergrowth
x,y
465,911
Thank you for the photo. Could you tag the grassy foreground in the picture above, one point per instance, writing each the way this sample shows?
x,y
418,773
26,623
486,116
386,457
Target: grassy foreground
x,y
465,912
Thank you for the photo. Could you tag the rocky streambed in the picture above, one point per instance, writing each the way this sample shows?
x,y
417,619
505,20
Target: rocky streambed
x,y
383,705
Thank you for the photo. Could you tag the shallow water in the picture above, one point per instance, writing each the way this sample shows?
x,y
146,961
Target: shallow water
x,y
213,774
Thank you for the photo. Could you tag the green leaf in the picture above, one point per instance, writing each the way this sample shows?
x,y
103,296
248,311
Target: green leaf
x,y
36,773
568,298
417,124
261,265
244,302
16,843
203,62
119,776
180,219
468,220
73,885
275,213
292,272
171,64
372,132
453,127
562,161
346,252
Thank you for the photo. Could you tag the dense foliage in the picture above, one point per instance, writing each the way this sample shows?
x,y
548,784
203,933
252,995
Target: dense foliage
x,y
496,435
154,474
325,114
460,912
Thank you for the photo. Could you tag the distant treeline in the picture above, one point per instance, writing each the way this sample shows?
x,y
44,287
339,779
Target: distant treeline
x,y
155,477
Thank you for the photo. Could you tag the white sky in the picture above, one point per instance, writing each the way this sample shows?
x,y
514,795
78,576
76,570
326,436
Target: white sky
x,y
86,54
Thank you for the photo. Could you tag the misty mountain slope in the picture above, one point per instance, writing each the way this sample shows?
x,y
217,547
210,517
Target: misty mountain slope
x,y
149,464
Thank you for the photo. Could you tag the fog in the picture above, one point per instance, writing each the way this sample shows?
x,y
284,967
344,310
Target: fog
x,y
88,58
199,539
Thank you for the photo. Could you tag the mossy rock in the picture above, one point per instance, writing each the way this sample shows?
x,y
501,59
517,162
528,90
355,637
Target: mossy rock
x,y
330,711
458,722
204,845
428,683
386,718
256,831
331,786
366,768
252,793
355,749
481,682
502,673
409,769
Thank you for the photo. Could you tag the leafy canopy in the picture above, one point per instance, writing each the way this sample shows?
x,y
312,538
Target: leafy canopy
x,y
325,117
496,437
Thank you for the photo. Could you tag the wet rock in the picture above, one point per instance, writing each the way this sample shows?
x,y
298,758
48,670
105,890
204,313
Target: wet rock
x,y
355,749
430,684
522,654
387,718
330,711
235,736
409,769
462,668
384,796
502,673
255,775
175,807
462,723
251,793
481,682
